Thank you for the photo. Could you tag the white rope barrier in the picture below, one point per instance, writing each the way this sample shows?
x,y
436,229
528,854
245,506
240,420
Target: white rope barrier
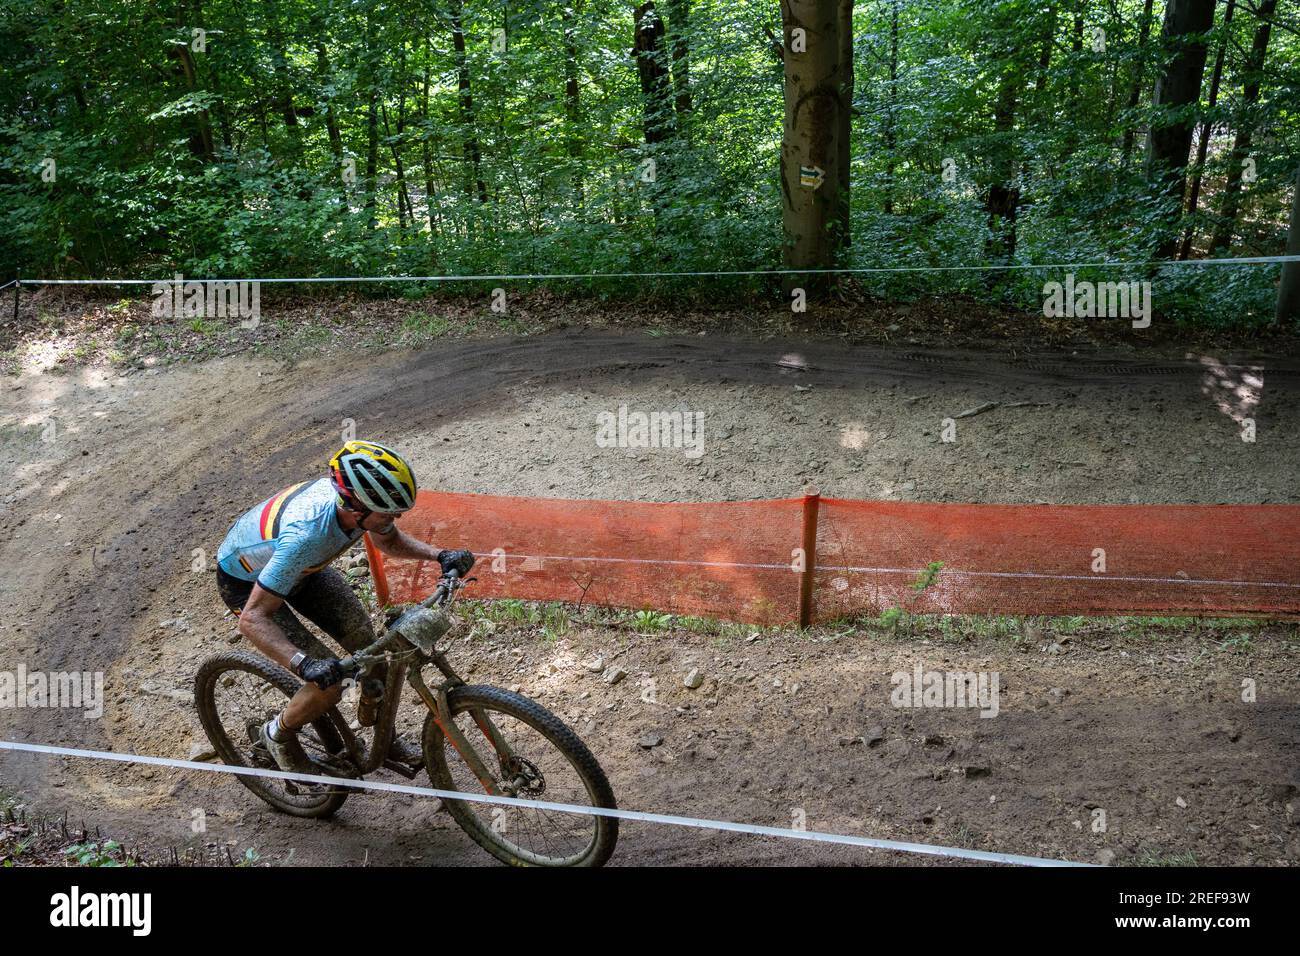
x,y
1245,260
814,836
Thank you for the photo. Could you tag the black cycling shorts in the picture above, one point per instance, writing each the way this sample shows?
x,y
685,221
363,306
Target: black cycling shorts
x,y
323,598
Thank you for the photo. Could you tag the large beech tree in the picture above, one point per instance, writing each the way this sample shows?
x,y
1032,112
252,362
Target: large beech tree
x,y
818,85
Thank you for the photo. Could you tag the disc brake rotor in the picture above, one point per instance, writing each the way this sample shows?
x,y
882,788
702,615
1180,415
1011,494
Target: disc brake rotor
x,y
522,778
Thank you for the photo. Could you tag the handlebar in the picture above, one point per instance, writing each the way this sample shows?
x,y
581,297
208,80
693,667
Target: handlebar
x,y
449,582
445,586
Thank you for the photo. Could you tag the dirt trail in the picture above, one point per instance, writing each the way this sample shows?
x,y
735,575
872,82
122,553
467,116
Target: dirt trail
x,y
138,472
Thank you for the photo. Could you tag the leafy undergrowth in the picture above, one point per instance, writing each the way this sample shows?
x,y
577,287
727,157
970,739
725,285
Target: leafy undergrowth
x,y
29,838
548,621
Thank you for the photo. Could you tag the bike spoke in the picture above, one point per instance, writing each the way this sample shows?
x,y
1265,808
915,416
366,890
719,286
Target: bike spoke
x,y
244,702
534,834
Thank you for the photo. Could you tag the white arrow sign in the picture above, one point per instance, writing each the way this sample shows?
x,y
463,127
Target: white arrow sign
x,y
811,177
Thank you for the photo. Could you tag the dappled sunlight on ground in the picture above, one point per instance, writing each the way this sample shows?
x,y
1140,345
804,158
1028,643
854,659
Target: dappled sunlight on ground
x,y
1235,390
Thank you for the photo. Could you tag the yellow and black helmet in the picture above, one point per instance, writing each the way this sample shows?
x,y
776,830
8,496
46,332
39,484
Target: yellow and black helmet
x,y
370,477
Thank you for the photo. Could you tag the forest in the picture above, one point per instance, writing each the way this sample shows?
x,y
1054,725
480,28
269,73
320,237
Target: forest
x,y
314,138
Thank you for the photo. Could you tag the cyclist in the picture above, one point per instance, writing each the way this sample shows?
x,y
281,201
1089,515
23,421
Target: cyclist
x,y
275,560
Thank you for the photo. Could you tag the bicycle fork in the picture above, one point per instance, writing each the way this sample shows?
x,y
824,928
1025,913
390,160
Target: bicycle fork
x,y
440,707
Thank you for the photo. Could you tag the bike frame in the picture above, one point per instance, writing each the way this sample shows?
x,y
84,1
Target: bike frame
x,y
395,649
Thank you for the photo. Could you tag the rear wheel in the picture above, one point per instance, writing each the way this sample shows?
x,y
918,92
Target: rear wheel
x,y
547,762
236,693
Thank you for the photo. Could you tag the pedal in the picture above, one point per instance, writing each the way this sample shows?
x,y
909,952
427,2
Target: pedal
x,y
397,767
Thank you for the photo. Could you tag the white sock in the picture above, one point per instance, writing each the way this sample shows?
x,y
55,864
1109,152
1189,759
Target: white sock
x,y
276,732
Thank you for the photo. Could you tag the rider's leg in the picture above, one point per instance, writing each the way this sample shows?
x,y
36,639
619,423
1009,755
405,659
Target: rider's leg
x,y
281,733
310,701
328,601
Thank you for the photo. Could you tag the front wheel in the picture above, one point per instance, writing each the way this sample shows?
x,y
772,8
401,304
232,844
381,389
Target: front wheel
x,y
545,760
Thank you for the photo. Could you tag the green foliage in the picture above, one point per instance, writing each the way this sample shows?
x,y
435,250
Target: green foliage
x,y
512,611
1242,642
928,576
420,326
108,853
318,138
1150,857
555,622
647,621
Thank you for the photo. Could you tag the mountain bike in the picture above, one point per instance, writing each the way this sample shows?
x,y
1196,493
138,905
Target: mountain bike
x,y
476,738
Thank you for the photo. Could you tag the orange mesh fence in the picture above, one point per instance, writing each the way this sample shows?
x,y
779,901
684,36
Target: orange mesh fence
x,y
726,559
1058,559
740,560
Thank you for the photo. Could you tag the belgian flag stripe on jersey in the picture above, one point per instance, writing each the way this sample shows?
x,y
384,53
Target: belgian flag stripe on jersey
x,y
270,523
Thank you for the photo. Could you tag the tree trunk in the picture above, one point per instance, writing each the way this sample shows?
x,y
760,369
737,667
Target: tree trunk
x,y
467,118
810,148
1004,198
845,135
372,124
1288,291
323,77
372,157
652,71
1076,64
1170,139
1135,91
426,155
891,117
1227,224
283,92
1207,128
405,211
223,114
573,105
201,142
1045,52
679,25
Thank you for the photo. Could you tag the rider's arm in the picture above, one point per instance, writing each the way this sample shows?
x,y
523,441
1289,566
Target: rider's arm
x,y
256,624
398,544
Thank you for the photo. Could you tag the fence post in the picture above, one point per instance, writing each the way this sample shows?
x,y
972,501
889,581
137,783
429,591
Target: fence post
x,y
811,499
377,572
18,285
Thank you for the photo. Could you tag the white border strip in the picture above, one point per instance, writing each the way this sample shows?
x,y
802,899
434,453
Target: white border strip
x,y
640,816
853,569
1059,577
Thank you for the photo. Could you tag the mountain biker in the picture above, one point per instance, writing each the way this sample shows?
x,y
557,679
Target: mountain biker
x,y
275,560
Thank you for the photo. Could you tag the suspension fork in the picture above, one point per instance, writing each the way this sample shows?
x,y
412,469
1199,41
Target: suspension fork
x,y
440,708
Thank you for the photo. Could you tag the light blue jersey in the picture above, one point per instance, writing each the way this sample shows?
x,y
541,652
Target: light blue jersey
x,y
286,538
